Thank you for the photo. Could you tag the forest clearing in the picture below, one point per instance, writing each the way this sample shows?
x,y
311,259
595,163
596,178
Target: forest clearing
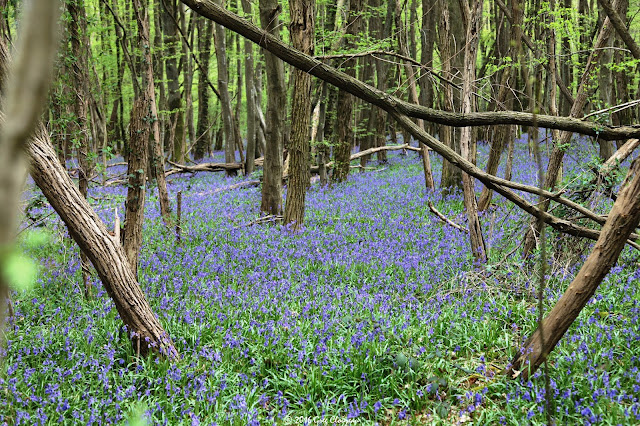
x,y
315,212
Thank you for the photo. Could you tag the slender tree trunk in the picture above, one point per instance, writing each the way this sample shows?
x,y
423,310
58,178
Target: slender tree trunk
x,y
250,95
80,73
503,134
474,16
275,119
203,139
174,131
413,93
450,32
225,98
344,129
302,29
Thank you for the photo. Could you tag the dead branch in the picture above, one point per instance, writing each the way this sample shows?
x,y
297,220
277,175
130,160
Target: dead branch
x,y
446,219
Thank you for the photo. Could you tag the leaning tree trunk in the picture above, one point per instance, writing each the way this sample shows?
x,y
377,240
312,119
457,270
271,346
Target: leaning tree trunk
x,y
275,119
107,255
344,129
302,29
621,221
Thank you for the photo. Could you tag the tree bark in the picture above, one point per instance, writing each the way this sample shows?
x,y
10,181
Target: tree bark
x,y
154,150
621,221
225,98
413,92
203,138
137,174
275,118
451,177
80,73
174,131
344,127
474,16
250,95
302,31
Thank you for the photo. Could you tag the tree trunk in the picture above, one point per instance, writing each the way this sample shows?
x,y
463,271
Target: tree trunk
x,y
137,174
503,134
451,176
275,117
79,70
413,92
174,131
621,221
250,95
474,16
154,150
344,128
203,139
107,256
225,98
301,29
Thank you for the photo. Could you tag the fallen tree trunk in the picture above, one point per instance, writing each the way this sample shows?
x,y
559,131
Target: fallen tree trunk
x,y
219,14
622,220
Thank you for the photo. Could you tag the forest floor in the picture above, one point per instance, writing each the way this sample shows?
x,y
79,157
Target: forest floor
x,y
374,313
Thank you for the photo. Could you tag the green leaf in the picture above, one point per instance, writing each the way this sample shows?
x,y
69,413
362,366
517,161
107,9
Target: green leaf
x,y
20,271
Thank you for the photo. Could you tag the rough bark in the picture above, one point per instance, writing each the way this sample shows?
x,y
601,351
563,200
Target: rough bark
x,y
621,221
301,29
107,256
174,131
137,175
225,98
275,116
250,95
203,138
155,151
474,16
80,77
413,91
451,177
344,126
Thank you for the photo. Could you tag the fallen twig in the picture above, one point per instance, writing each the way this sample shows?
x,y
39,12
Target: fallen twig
x,y
446,219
